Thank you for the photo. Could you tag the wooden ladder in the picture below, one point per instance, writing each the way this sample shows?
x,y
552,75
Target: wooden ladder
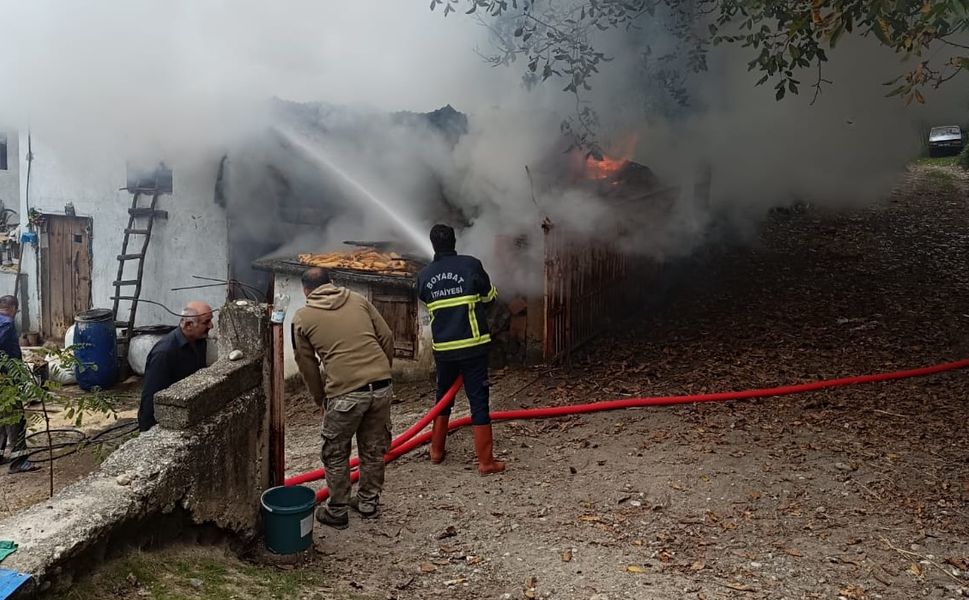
x,y
141,219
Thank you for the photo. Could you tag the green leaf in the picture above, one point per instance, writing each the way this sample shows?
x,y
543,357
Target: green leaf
x,y
836,34
899,90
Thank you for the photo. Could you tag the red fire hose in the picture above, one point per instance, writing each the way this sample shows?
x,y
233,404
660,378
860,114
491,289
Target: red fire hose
x,y
410,440
400,439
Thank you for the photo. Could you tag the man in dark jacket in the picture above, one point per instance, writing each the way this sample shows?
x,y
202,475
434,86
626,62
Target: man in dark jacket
x,y
174,357
13,435
456,289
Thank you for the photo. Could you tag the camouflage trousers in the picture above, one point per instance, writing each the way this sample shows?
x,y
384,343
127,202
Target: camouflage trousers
x,y
365,415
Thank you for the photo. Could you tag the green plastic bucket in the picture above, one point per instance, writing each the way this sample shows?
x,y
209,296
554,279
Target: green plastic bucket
x,y
287,514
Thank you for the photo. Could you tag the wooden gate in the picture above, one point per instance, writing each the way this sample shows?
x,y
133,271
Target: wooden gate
x,y
588,285
65,272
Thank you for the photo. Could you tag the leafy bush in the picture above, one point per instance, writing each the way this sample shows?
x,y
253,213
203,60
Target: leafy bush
x,y
19,387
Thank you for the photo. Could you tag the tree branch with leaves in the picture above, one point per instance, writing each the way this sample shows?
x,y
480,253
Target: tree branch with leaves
x,y
785,38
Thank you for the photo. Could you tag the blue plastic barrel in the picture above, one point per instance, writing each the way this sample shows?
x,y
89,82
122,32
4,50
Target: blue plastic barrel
x,y
287,514
94,330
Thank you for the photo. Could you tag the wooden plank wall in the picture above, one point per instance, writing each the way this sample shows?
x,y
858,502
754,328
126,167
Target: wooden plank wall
x,y
588,285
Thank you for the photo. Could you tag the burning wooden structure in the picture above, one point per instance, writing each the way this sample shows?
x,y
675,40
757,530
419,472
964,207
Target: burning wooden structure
x,y
590,280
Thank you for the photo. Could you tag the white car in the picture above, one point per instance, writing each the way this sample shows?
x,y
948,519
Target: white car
x,y
948,139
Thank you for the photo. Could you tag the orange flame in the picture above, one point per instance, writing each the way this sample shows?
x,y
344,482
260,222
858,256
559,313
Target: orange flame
x,y
621,152
605,168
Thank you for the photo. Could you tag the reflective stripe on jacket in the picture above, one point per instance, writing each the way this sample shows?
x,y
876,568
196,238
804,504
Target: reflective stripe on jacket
x,y
456,289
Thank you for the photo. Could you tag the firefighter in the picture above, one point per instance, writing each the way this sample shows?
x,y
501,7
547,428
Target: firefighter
x,y
456,290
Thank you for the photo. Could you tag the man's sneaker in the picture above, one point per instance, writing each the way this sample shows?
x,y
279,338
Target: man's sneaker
x,y
22,466
367,510
324,516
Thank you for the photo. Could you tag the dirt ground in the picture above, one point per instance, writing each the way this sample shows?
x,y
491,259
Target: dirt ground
x,y
20,490
857,492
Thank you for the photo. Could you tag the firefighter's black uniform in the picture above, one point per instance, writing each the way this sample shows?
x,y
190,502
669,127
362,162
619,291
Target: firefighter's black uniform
x,y
456,289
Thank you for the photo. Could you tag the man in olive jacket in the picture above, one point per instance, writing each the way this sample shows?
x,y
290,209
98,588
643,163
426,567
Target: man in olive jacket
x,y
343,332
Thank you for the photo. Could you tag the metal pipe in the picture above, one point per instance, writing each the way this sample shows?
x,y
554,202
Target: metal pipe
x,y
277,420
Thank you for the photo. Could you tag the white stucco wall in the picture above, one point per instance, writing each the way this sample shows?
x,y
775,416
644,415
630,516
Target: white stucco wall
x,y
192,241
10,197
10,178
403,369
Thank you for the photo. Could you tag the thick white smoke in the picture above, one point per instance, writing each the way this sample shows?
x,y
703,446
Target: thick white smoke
x,y
196,80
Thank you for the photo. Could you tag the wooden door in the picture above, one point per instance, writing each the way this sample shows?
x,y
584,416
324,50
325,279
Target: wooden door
x,y
65,272
399,308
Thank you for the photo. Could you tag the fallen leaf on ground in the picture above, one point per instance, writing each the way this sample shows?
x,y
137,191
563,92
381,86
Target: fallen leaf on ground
x,y
428,568
960,563
403,585
793,552
590,518
698,565
916,569
635,569
853,592
529,591
885,579
567,555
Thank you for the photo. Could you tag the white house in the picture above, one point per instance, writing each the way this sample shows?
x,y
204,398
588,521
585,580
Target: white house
x,y
74,213
73,216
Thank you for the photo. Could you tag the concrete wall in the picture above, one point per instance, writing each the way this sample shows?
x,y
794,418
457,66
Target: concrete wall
x,y
206,463
192,241
403,369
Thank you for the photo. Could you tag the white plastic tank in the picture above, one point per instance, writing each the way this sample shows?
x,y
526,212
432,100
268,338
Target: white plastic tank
x,y
55,372
139,349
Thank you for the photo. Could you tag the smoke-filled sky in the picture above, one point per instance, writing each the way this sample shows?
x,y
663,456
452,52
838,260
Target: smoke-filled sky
x,y
191,78
184,71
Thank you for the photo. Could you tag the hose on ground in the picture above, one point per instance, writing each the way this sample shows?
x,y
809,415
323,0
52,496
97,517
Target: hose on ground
x,y
403,445
43,452
400,439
